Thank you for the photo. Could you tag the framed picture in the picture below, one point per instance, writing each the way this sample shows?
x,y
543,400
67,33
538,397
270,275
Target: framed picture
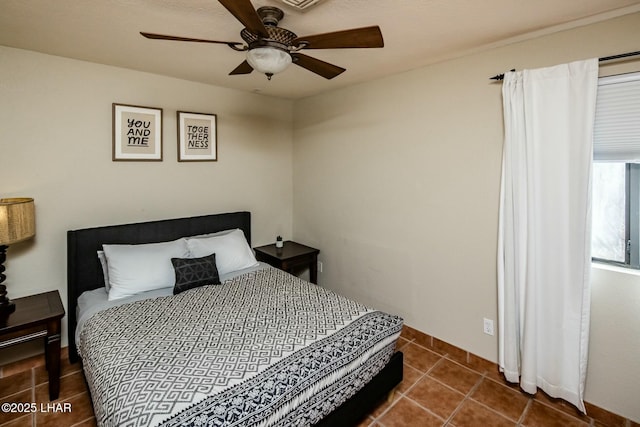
x,y
197,137
137,133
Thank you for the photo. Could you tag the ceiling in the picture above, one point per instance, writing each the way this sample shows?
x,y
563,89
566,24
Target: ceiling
x,y
416,33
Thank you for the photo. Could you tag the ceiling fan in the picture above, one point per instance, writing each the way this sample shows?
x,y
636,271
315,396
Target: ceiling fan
x,y
271,49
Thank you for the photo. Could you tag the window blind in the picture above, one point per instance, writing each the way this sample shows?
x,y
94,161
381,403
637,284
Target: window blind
x,y
617,123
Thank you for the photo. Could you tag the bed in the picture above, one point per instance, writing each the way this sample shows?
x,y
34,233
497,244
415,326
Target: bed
x,y
212,355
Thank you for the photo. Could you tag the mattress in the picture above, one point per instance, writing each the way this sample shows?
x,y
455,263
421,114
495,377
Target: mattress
x,y
264,348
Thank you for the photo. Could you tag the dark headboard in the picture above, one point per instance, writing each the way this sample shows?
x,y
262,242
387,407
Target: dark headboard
x,y
84,272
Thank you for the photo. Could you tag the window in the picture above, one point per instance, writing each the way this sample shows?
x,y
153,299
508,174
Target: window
x,y
616,172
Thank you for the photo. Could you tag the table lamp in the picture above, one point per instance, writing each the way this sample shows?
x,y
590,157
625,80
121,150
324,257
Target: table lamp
x,y
17,223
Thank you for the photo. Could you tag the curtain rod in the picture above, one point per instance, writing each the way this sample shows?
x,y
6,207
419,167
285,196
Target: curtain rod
x,y
498,77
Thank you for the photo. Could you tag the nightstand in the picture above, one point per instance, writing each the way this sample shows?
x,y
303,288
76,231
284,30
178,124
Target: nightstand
x,y
37,316
290,257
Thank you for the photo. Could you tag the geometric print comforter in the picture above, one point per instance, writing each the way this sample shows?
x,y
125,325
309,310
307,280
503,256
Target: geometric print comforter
x,y
262,349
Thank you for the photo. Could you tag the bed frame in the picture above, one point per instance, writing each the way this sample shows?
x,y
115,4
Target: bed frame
x,y
84,273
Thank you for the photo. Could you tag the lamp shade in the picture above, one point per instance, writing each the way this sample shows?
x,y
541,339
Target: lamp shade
x,y
17,220
268,60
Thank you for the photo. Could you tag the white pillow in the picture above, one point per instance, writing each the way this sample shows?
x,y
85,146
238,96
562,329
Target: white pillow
x,y
217,233
232,250
105,268
134,269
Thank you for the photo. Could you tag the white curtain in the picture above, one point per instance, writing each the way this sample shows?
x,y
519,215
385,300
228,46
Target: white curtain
x,y
544,246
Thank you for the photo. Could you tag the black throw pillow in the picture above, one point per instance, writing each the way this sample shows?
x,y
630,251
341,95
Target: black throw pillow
x,y
194,272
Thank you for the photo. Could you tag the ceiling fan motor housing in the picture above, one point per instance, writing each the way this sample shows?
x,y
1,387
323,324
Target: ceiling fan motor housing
x,y
270,15
279,38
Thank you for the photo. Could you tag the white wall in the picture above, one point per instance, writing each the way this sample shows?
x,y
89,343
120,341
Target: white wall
x,y
397,182
55,146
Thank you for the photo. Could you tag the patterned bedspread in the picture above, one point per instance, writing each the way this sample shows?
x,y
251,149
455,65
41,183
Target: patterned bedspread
x,y
264,349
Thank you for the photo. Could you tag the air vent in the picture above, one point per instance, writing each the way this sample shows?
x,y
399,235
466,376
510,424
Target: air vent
x,y
301,4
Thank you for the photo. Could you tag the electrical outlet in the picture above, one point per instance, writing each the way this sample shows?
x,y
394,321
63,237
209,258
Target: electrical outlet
x,y
488,326
320,266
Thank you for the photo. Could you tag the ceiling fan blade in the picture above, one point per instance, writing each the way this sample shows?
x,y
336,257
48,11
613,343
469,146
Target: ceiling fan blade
x,y
245,13
184,39
324,69
354,38
243,68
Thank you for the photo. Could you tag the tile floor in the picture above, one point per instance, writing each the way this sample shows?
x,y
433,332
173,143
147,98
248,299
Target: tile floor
x,y
447,386
27,382
442,386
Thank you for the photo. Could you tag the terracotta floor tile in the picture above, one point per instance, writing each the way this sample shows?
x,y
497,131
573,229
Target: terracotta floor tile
x,y
22,365
419,338
453,352
25,396
436,397
24,421
500,398
560,405
42,375
473,414
597,423
401,343
480,365
406,413
499,378
410,333
495,374
15,383
539,415
91,422
455,376
69,386
419,358
81,410
424,340
605,417
409,377
384,405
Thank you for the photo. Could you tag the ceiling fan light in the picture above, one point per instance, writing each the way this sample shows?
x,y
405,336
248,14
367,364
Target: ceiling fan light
x,y
268,60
